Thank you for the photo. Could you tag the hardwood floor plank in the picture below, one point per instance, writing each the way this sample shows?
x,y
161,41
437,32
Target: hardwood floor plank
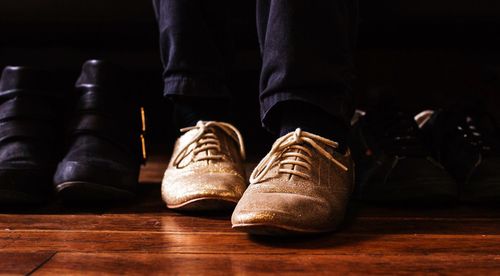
x,y
236,243
217,264
22,263
361,209
143,237
170,222
149,201
153,171
117,222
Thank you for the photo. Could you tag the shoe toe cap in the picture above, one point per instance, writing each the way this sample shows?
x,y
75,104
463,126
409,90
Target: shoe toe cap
x,y
178,190
289,211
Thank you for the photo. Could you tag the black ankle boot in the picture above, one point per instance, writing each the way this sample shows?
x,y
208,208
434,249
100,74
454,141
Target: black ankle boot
x,y
466,140
106,143
393,162
30,134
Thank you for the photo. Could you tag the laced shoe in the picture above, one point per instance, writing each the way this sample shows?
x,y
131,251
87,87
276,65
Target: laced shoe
x,y
394,164
206,170
467,142
301,186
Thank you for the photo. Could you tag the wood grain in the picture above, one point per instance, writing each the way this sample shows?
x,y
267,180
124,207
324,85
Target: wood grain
x,y
171,222
144,237
22,263
237,243
217,264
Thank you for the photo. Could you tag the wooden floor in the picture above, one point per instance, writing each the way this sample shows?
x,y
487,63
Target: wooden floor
x,y
145,238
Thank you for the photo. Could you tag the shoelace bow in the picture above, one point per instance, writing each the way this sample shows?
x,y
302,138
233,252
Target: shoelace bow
x,y
206,140
282,149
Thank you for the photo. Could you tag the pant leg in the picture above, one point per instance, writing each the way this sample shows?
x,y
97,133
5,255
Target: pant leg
x,y
194,47
306,55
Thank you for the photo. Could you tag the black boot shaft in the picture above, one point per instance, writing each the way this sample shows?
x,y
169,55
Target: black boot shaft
x,y
105,153
19,80
107,106
31,102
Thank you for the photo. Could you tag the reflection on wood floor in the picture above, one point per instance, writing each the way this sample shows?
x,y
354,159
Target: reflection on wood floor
x,y
143,237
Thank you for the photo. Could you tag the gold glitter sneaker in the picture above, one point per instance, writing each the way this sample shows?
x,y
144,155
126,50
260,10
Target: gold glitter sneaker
x,y
206,170
301,186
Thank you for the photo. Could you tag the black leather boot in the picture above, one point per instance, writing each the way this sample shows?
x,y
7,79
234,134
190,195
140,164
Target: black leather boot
x,y
466,140
394,164
106,138
30,134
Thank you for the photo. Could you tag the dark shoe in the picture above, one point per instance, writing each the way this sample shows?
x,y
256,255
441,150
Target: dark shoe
x,y
30,134
393,163
467,143
106,145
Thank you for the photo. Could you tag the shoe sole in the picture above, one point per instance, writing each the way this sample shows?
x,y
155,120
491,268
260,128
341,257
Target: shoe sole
x,y
81,191
205,204
267,229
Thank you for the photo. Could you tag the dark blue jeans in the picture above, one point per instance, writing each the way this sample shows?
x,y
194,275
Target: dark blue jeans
x,y
305,47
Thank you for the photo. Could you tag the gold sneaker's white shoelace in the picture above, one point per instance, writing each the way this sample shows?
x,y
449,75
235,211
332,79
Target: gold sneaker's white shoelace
x,y
206,140
281,150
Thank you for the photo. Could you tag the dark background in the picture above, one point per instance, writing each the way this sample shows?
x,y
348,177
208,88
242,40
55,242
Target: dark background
x,y
423,53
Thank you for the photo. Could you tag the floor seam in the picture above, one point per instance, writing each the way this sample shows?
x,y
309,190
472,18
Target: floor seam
x,y
42,263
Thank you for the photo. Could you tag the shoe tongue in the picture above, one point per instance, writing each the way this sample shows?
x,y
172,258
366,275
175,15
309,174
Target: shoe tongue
x,y
397,132
383,119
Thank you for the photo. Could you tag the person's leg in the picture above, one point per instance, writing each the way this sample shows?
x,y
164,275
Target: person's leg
x,y
206,169
304,183
194,46
307,65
